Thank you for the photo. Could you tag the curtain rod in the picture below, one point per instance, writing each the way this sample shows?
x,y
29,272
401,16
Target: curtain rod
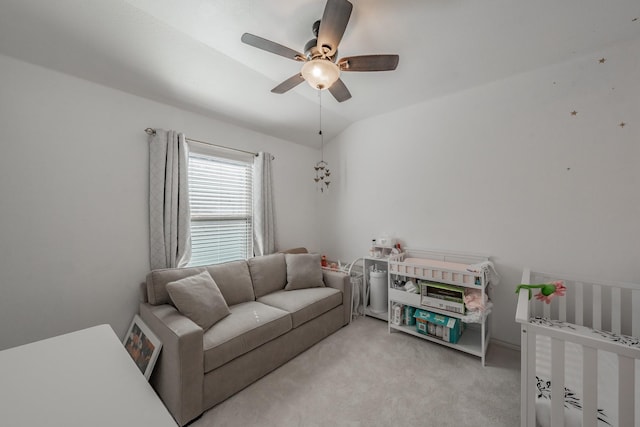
x,y
151,131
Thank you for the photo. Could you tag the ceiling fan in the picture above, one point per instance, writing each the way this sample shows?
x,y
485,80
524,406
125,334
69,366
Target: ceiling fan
x,y
321,69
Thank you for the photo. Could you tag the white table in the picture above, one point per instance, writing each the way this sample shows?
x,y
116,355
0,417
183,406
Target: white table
x,y
85,378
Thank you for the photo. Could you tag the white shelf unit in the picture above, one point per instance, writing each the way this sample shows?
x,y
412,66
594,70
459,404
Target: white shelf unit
x,y
443,267
382,263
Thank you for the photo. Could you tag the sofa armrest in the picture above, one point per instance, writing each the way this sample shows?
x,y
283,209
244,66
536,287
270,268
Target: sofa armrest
x,y
178,376
342,282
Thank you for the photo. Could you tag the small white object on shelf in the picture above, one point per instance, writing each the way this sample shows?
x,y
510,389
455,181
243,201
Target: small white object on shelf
x,y
379,250
396,314
385,241
411,287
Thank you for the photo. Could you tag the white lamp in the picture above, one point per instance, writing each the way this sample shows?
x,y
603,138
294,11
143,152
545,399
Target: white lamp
x,y
320,73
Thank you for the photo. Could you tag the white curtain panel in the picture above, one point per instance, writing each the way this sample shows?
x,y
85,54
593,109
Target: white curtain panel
x,y
169,213
263,223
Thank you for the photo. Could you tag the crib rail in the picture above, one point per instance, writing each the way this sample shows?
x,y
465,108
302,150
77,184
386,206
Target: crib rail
x,y
607,306
612,307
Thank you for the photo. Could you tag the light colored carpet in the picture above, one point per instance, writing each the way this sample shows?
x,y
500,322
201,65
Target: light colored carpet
x,y
364,376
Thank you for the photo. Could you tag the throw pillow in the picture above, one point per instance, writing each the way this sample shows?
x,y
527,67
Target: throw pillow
x,y
303,271
199,298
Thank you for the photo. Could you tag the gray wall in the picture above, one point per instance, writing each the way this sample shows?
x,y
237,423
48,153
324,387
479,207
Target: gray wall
x,y
74,210
503,170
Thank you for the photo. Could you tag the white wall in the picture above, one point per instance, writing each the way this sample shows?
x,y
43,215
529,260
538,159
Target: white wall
x,y
503,170
74,191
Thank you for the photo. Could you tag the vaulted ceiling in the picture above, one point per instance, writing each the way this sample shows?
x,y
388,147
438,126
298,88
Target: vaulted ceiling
x,y
188,53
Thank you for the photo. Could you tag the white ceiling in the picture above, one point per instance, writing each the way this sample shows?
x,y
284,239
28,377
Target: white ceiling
x,y
188,53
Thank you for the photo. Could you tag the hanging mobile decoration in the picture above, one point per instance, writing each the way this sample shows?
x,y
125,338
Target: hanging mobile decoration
x,y
322,168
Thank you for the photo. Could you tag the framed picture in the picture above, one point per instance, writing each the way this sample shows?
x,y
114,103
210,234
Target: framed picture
x,y
142,345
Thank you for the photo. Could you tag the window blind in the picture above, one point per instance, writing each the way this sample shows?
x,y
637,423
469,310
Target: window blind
x,y
220,197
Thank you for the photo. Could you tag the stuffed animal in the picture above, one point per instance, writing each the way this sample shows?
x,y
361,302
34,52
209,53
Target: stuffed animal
x,y
547,290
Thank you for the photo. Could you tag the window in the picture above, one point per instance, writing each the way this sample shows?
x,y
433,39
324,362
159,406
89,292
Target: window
x,y
220,193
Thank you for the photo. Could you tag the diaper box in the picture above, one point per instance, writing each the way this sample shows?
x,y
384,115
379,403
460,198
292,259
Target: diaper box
x,y
446,328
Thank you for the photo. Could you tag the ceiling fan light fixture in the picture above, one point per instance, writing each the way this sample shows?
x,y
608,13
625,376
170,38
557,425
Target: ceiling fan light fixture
x,y
321,53
320,73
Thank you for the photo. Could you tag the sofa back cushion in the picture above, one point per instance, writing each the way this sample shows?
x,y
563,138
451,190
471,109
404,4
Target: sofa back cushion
x,y
268,273
233,280
157,281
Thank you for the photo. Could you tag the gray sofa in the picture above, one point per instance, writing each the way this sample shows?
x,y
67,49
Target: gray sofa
x,y
266,327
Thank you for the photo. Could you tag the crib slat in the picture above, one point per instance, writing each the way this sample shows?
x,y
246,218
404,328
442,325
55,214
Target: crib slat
x,y
597,307
557,382
546,311
531,382
626,389
579,304
616,311
635,316
562,309
546,308
590,387
526,388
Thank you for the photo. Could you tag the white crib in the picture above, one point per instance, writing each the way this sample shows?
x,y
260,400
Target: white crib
x,y
579,340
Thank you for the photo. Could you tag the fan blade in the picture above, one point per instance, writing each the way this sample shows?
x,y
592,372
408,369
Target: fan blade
x,y
332,25
369,63
339,91
288,84
272,47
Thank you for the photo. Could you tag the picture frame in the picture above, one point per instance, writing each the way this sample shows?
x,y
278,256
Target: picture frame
x,y
142,345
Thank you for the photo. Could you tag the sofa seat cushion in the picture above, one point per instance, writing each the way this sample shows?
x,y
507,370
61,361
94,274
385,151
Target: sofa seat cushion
x,y
304,304
249,325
